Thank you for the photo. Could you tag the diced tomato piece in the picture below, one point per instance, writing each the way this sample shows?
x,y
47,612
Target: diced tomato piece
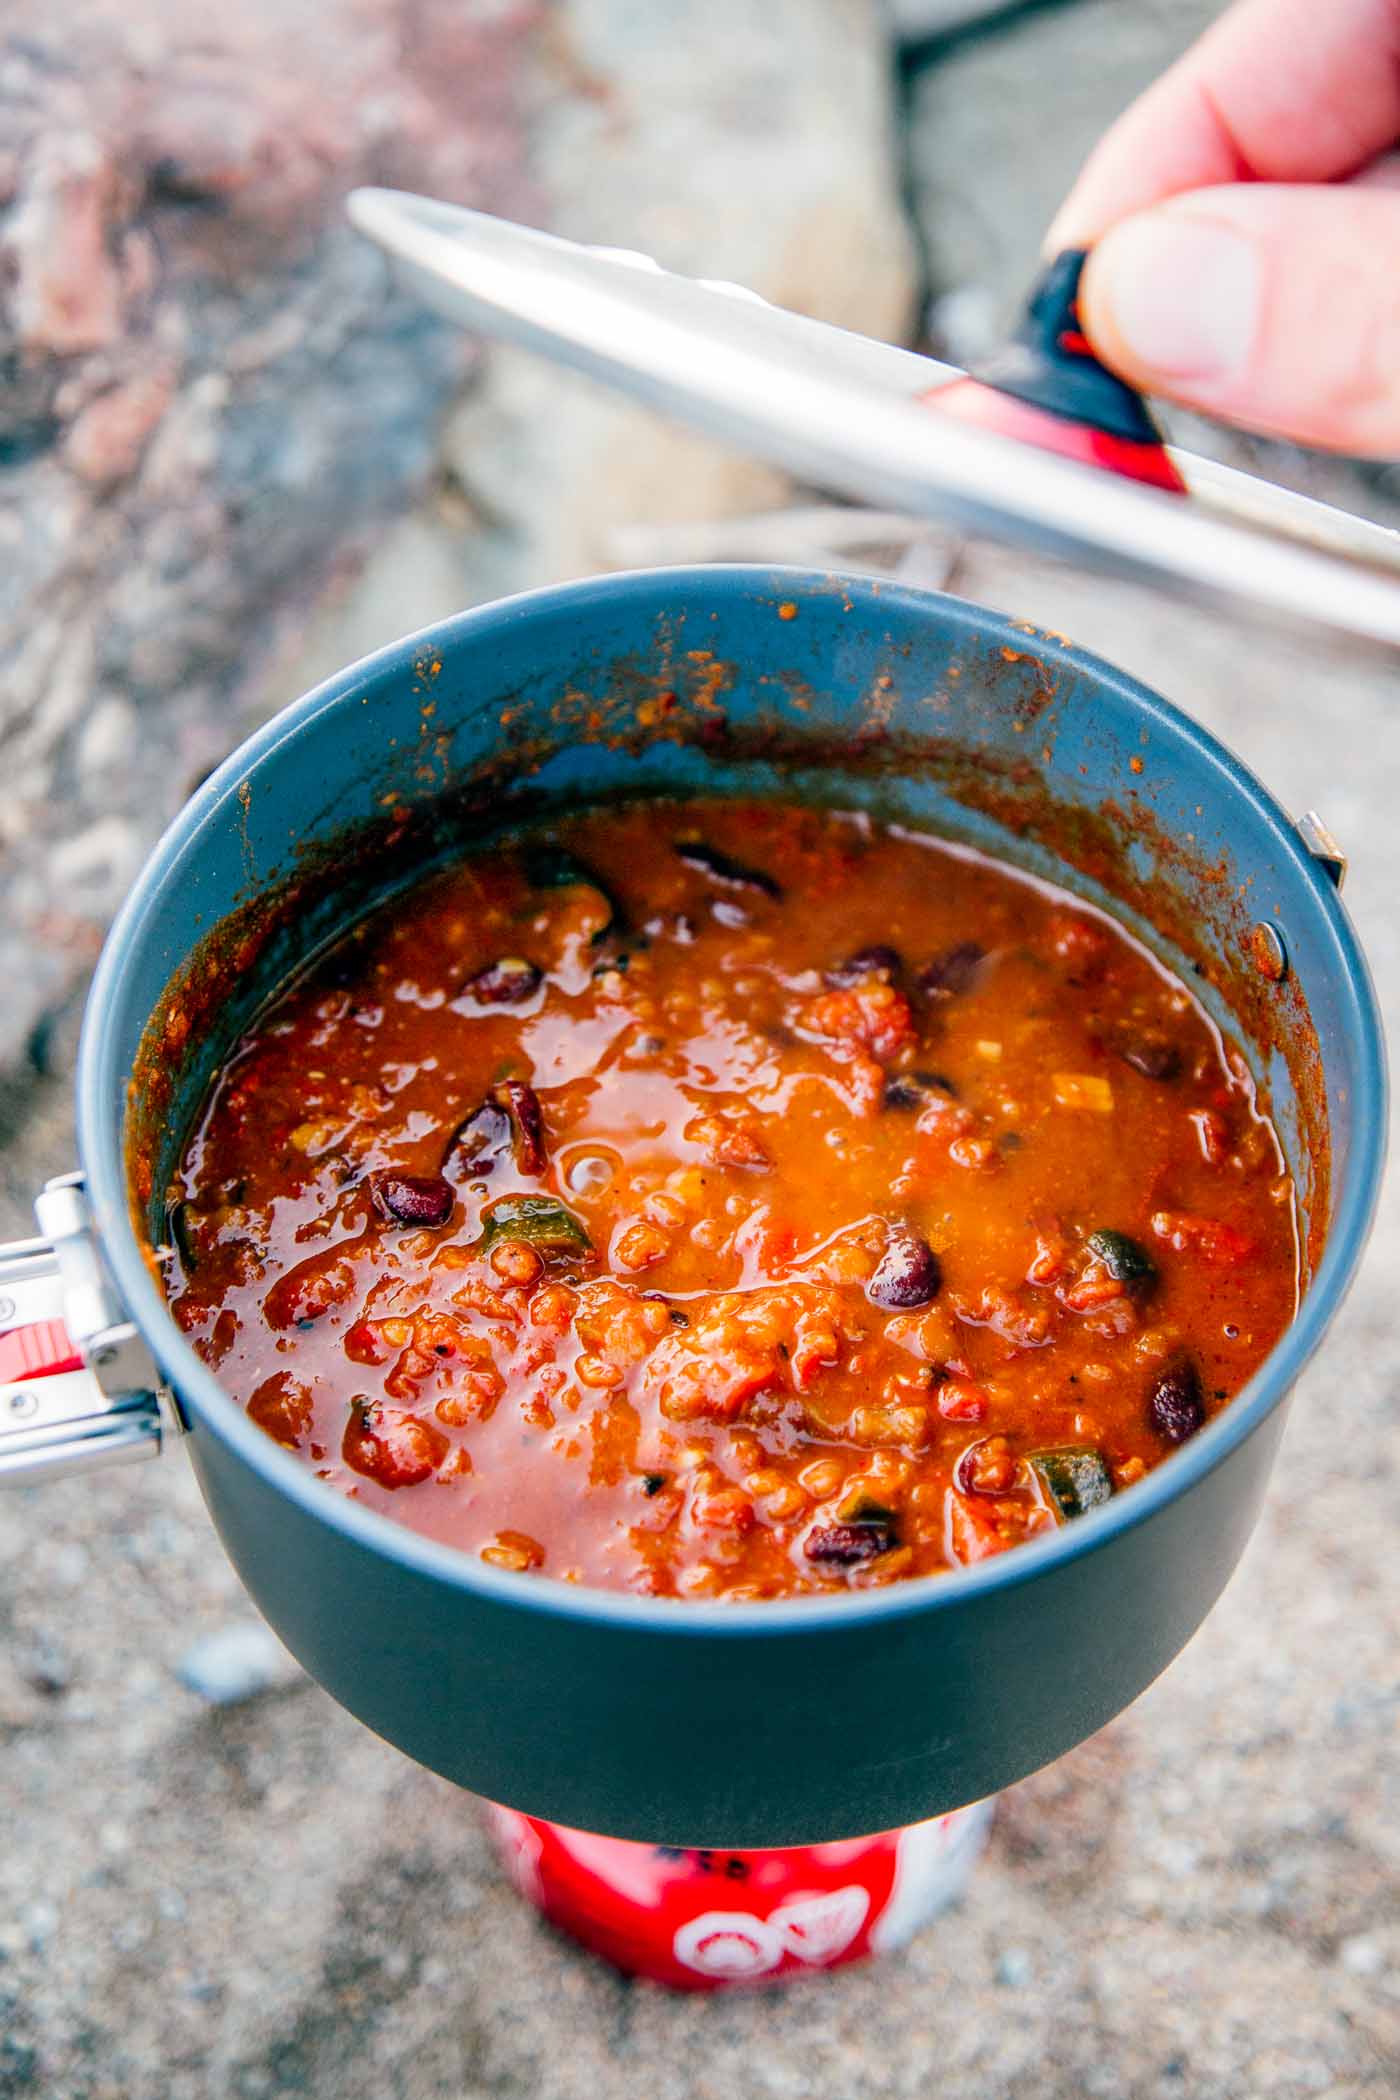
x,y
872,1016
777,1246
364,1343
959,1400
972,1533
1211,1238
726,1509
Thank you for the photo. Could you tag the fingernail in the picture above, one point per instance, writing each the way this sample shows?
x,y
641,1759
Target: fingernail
x,y
1181,293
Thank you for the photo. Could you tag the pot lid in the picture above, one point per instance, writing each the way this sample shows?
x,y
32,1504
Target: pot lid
x,y
845,412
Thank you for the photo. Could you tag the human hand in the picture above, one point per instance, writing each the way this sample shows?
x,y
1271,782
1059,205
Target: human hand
x,y
1244,222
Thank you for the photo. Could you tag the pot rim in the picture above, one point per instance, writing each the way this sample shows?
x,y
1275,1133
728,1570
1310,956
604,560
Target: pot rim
x,y
101,1146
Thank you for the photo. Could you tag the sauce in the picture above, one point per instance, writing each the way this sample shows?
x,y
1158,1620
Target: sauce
x,y
733,1199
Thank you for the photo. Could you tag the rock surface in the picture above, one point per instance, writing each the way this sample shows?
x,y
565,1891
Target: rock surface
x,y
1000,127
210,402
751,144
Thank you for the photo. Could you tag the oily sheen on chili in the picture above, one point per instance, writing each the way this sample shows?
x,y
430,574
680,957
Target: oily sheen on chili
x,y
733,1199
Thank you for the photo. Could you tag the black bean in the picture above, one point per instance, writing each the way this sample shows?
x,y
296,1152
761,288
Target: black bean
x,y
885,963
178,1219
913,1089
1155,1056
412,1199
507,982
343,966
1174,1404
522,1104
1126,1261
952,973
845,1545
479,1143
908,1274
652,1483
722,868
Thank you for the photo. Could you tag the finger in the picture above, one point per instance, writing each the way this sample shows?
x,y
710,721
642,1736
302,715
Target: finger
x,y
1275,91
1274,307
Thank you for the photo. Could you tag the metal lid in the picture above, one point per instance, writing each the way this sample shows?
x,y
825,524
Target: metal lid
x,y
845,412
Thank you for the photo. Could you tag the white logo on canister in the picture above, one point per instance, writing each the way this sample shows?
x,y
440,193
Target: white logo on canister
x,y
728,1943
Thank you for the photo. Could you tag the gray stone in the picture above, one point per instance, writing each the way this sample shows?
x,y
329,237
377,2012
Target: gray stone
x,y
235,1663
919,21
681,129
211,403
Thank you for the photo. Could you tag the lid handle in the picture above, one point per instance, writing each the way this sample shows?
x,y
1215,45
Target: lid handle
x,y
1047,387
78,1386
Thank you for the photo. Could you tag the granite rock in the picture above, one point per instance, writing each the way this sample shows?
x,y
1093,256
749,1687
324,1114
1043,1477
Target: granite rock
x,y
753,145
211,402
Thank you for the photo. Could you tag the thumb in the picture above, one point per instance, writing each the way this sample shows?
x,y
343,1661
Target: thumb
x,y
1270,305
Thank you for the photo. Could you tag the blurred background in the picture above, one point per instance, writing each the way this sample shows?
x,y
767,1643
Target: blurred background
x,y
233,458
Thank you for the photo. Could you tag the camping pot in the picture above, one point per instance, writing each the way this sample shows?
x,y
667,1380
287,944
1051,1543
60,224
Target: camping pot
x,y
792,1722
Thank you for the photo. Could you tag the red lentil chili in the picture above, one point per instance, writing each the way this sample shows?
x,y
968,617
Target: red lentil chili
x,y
733,1199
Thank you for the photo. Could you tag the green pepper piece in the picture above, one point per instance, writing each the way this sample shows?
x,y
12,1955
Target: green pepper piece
x,y
541,1221
1125,1261
1075,1480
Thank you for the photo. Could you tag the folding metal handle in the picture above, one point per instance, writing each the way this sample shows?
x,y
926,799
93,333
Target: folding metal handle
x,y
78,1386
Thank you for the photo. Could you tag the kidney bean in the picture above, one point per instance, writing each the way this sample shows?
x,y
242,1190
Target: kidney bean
x,y
412,1199
1174,1404
391,1446
282,1405
522,1104
1155,1056
722,868
846,1545
907,1274
507,982
478,1143
954,972
886,963
987,1467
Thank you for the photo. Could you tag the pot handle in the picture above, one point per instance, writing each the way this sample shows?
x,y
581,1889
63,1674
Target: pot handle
x,y
78,1386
